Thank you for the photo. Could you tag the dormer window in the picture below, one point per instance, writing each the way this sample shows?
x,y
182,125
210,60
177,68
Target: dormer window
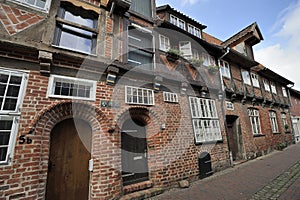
x,y
177,22
194,31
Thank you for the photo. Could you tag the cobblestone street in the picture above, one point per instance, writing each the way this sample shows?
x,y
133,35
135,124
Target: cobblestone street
x,y
274,176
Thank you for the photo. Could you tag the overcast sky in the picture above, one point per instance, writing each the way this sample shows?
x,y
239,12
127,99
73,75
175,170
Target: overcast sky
x,y
278,20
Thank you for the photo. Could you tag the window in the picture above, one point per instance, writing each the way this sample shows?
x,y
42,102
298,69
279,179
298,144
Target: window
x,y
142,6
284,93
208,60
72,88
170,97
177,22
39,4
225,69
273,88
76,30
135,95
12,86
284,121
140,47
255,121
194,31
254,78
246,77
266,85
186,48
273,120
12,89
205,120
164,43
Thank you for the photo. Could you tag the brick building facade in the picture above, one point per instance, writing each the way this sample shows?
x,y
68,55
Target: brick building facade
x,y
90,110
295,113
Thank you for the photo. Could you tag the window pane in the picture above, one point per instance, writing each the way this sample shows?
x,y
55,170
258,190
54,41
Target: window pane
x,y
79,20
75,42
142,6
4,138
10,104
3,152
140,58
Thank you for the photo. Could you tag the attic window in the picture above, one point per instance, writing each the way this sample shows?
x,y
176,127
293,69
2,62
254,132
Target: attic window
x,y
177,22
194,31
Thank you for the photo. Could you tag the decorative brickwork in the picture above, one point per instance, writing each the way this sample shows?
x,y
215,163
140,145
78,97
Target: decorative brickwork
x,y
16,20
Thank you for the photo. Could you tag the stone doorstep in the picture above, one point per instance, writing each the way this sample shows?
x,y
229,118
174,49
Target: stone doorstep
x,y
143,194
137,187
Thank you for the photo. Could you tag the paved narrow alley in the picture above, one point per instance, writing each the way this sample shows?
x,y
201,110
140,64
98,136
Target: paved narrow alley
x,y
274,176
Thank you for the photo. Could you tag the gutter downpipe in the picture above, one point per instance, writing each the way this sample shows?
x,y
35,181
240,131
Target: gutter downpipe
x,y
290,101
222,107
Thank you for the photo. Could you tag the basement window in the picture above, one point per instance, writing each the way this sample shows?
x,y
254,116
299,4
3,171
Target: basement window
x,y
71,88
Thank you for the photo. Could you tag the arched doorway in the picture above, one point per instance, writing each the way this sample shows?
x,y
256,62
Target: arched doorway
x,y
134,152
70,147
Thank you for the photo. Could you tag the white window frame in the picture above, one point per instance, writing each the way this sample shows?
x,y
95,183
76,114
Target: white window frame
x,y
246,76
273,120
255,121
54,78
273,88
284,92
205,120
284,119
132,93
170,97
21,90
225,69
12,138
164,43
23,2
186,49
194,30
255,81
12,115
208,60
176,21
266,85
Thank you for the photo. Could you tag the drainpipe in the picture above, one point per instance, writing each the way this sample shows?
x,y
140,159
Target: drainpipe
x,y
223,109
289,97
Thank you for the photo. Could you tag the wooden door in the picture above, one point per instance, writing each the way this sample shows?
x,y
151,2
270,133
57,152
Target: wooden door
x,y
134,152
68,175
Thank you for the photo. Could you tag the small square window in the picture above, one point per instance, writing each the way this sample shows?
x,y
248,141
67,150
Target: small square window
x,y
170,97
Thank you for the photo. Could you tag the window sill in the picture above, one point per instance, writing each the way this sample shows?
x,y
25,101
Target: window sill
x,y
288,132
71,97
259,135
209,142
276,133
226,77
73,50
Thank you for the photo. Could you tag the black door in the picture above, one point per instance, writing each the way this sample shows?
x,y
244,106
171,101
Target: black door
x,y
134,152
